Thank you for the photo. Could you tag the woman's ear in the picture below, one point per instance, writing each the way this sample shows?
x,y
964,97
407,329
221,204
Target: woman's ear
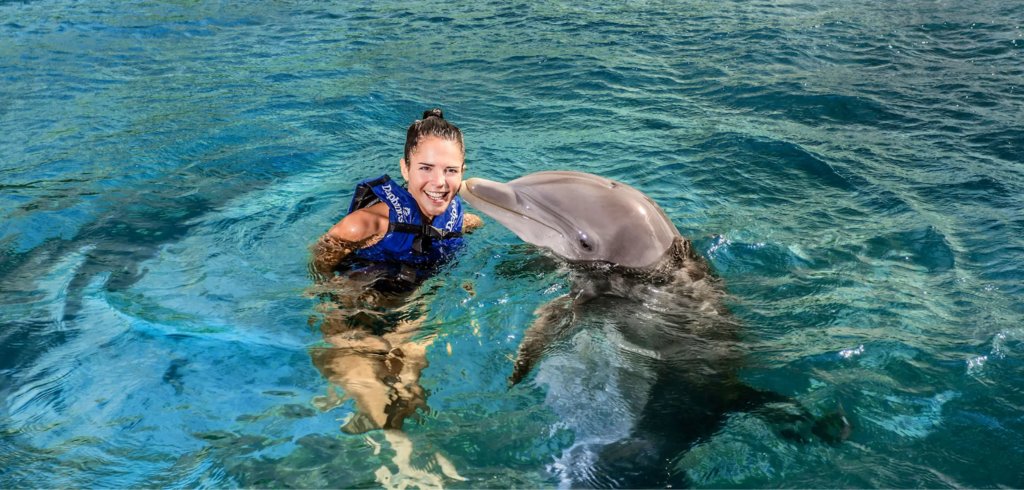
x,y
404,168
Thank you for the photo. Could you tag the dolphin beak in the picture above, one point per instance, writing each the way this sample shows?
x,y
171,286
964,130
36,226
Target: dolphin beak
x,y
482,191
500,202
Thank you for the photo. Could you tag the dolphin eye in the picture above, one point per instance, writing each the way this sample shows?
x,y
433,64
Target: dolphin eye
x,y
586,246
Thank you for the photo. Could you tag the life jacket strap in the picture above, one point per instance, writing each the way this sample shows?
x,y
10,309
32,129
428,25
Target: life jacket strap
x,y
422,232
365,196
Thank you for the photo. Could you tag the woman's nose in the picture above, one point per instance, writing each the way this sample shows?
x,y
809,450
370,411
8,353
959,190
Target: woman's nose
x,y
437,177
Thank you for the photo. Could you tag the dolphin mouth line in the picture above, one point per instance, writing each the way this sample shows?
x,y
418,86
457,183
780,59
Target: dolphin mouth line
x,y
517,213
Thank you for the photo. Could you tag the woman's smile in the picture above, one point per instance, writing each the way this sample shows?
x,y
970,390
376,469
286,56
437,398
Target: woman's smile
x,y
437,197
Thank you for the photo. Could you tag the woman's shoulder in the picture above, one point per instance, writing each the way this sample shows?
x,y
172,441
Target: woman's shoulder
x,y
367,223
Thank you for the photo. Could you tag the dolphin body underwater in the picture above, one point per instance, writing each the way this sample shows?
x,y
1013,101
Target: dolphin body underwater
x,y
644,354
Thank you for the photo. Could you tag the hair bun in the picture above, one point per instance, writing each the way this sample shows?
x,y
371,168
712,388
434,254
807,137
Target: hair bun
x,y
433,113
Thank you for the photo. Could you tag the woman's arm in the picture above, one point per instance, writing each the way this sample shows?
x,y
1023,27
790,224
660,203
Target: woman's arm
x,y
357,230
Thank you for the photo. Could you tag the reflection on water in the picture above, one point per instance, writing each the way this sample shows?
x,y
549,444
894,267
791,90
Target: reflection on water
x,y
646,366
371,321
408,475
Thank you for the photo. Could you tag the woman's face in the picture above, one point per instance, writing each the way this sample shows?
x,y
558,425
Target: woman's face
x,y
434,173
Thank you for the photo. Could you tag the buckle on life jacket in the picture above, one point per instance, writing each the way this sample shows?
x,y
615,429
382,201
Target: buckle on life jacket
x,y
423,234
407,274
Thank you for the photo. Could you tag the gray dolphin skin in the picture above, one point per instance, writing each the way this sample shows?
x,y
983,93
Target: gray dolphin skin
x,y
579,216
590,220
640,357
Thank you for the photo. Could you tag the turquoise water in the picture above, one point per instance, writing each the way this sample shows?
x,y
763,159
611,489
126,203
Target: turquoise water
x,y
853,170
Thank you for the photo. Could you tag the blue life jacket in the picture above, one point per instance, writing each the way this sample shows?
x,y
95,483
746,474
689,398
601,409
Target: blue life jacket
x,y
408,239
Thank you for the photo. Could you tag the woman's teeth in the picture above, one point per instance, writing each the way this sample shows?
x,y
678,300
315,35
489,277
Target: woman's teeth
x,y
436,196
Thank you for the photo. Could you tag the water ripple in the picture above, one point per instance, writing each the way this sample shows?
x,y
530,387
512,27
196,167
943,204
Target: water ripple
x,y
853,171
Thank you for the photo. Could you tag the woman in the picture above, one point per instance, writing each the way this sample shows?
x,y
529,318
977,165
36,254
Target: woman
x,y
391,237
386,222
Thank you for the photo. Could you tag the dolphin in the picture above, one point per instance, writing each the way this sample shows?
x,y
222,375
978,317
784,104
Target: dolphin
x,y
617,237
580,217
665,358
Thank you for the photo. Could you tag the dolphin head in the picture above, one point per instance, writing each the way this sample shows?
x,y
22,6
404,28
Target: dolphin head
x,y
579,216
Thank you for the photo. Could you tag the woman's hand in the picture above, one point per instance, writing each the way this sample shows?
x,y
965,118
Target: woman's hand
x,y
471,222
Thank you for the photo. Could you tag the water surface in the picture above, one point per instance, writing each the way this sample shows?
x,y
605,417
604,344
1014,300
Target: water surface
x,y
853,171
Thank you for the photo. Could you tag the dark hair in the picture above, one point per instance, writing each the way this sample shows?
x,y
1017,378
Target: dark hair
x,y
432,124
